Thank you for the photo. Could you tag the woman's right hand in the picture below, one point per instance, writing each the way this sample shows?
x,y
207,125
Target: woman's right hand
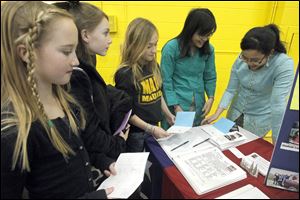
x,y
209,119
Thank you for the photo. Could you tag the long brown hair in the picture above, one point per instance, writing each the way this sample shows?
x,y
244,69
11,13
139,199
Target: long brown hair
x,y
138,35
87,16
28,23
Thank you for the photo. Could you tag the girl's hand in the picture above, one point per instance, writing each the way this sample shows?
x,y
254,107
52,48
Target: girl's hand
x,y
177,108
207,106
111,170
125,135
209,119
159,132
170,119
109,191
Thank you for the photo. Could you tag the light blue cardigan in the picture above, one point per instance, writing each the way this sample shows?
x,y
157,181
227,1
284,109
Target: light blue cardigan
x,y
260,95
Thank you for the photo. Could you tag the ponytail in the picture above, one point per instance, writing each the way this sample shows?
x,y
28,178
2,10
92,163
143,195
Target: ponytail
x,y
263,39
279,47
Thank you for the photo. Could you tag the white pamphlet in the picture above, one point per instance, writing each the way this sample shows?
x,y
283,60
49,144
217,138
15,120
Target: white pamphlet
x,y
228,140
207,170
245,192
128,165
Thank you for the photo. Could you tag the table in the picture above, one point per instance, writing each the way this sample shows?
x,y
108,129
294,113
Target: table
x,y
168,182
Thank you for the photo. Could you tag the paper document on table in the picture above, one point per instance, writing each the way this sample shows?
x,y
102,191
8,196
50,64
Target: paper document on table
x,y
178,129
211,130
245,192
128,165
236,152
183,122
185,119
223,125
184,141
208,170
228,140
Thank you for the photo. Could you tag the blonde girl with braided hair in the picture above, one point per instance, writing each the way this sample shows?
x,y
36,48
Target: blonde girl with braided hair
x,y
41,148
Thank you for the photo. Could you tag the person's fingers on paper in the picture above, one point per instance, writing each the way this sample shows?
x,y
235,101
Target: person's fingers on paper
x,y
112,168
107,173
160,132
109,190
204,121
209,119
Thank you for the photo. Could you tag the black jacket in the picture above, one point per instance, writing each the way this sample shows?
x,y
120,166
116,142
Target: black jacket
x,y
51,176
104,111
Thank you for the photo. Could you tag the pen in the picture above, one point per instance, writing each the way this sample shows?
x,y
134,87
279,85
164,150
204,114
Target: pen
x,y
179,145
201,142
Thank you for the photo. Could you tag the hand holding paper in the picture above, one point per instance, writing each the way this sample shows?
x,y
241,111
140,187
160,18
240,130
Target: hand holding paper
x,y
124,123
128,165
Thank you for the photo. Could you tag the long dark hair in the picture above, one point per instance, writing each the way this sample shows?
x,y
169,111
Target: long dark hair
x,y
87,16
200,21
263,39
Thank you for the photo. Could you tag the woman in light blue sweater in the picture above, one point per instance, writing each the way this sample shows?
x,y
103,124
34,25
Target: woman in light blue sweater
x,y
260,81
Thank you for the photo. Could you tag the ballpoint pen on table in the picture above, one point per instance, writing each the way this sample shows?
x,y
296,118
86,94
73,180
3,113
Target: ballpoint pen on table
x,y
179,145
201,142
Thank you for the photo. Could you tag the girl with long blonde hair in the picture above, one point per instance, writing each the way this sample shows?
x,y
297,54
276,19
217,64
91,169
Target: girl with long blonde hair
x,y
139,76
41,148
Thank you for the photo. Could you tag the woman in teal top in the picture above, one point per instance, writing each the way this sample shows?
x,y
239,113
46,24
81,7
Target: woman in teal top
x,y
188,66
260,81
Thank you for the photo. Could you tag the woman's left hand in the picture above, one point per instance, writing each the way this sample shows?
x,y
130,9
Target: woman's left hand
x,y
207,106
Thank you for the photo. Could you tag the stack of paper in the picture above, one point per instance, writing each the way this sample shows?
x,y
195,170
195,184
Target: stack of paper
x,y
228,140
128,165
246,192
208,170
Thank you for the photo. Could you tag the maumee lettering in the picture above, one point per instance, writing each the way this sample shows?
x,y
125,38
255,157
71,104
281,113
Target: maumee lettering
x,y
149,90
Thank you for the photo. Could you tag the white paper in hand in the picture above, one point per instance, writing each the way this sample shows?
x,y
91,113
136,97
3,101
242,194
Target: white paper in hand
x,y
128,165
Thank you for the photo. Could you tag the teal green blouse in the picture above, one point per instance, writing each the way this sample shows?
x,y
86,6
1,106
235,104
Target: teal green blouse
x,y
187,79
260,95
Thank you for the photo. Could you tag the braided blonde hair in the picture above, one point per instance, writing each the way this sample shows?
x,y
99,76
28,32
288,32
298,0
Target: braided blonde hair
x,y
27,23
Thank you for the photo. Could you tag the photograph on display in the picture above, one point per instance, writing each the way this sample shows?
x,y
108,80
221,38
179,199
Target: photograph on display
x,y
283,179
293,140
294,134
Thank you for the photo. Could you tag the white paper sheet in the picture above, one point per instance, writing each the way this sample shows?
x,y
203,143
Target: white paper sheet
x,y
245,192
130,168
236,152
